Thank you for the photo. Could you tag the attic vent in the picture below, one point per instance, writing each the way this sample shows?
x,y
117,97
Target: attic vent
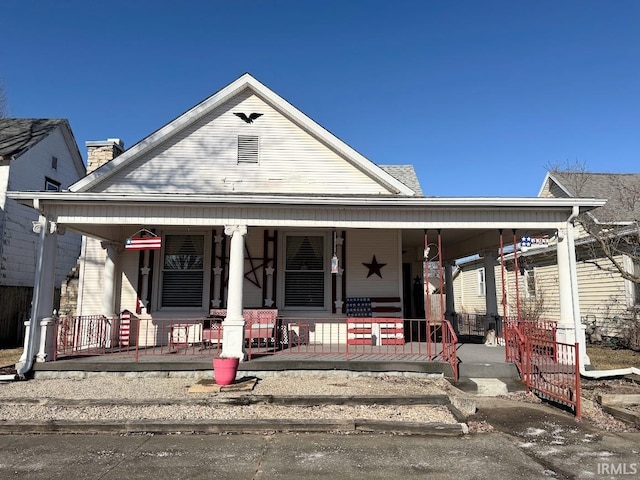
x,y
247,149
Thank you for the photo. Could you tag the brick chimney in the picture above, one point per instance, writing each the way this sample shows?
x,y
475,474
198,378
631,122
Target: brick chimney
x,y
101,152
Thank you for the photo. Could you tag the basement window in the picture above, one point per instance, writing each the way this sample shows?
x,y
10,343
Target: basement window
x,y
248,148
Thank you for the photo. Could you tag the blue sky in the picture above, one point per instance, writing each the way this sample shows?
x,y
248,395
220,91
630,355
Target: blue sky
x,y
480,96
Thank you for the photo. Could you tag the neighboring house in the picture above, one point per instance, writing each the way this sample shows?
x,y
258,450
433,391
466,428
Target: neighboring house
x,y
36,155
254,204
605,298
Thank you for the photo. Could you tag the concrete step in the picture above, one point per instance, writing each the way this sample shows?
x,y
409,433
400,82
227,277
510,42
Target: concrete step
x,y
490,387
487,370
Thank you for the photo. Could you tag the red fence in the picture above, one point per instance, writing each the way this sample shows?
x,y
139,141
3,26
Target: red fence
x,y
364,338
548,367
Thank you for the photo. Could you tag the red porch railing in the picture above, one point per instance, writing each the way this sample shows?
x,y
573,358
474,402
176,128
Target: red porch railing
x,y
548,367
362,338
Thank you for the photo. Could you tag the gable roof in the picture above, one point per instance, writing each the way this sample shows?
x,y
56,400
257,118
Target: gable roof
x,y
620,189
18,135
235,88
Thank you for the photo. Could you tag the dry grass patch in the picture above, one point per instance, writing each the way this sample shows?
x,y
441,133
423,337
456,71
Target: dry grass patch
x,y
9,356
607,358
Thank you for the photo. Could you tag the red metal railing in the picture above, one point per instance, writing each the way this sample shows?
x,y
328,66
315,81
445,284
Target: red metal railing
x,y
548,367
363,338
450,347
88,335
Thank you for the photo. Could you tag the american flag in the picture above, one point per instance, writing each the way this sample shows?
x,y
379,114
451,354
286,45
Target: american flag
x,y
148,243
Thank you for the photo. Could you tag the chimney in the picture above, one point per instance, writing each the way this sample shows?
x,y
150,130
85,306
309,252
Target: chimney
x,y
101,152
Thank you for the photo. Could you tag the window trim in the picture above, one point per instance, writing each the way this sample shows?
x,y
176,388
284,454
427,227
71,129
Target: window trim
x,y
158,267
49,181
282,258
482,282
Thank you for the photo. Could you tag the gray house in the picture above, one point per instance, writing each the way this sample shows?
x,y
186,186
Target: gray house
x,y
35,155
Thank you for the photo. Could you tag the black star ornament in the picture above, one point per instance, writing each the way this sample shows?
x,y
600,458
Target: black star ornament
x,y
374,267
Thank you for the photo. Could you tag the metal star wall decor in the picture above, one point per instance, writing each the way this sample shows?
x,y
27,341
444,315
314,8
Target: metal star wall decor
x,y
374,267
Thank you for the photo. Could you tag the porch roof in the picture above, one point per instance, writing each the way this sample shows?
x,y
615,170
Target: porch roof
x,y
467,224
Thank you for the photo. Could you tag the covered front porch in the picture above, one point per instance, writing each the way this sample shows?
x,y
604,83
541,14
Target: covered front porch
x,y
328,270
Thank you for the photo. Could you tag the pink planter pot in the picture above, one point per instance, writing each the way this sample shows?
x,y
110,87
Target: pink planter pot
x,y
225,369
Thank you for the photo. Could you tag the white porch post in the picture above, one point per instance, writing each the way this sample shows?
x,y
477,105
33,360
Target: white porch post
x,y
233,324
491,298
42,300
109,280
568,290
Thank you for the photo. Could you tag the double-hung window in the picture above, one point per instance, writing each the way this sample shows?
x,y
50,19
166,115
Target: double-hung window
x,y
304,276
183,271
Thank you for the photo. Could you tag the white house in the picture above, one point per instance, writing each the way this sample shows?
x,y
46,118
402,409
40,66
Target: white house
x,y
35,155
256,205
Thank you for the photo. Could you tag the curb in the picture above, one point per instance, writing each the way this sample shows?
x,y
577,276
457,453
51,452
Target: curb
x,y
230,426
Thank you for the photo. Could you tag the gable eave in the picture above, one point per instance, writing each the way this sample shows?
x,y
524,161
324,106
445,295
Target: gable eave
x,y
214,101
550,177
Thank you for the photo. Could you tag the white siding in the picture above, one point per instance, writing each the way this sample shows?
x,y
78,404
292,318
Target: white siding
x,y
203,159
128,265
91,278
362,245
19,243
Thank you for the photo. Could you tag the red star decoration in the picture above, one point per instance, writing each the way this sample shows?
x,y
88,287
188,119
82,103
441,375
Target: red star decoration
x,y
374,267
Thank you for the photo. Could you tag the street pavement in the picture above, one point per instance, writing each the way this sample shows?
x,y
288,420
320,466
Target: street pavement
x,y
528,441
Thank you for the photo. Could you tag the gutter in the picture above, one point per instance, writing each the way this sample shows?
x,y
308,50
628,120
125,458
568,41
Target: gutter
x,y
618,372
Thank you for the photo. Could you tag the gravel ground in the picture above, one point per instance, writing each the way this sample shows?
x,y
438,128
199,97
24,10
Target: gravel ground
x,y
14,399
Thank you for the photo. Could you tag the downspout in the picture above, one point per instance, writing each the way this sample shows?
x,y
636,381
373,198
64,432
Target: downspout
x,y
576,319
33,321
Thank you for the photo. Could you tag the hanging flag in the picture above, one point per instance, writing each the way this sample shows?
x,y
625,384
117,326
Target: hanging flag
x,y
147,243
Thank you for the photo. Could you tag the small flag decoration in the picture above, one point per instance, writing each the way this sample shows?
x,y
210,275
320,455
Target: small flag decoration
x,y
140,243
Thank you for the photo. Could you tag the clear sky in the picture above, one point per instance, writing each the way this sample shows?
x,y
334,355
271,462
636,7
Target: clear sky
x,y
481,96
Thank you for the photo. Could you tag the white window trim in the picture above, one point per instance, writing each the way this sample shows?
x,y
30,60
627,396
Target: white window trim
x,y
158,269
282,258
629,286
482,282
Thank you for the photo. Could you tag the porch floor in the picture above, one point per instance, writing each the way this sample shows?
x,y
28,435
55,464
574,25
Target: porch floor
x,y
475,360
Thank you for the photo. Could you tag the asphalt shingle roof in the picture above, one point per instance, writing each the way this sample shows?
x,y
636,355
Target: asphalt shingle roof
x,y
406,174
622,191
20,134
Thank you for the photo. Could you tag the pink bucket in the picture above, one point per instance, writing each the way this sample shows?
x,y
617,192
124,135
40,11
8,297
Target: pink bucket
x,y
225,369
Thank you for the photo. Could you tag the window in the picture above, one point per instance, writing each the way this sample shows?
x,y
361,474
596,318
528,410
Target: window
x,y
51,185
304,276
183,271
54,163
482,286
248,149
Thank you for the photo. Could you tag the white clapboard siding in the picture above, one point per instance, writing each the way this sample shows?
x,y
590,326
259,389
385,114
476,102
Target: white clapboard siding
x,y
203,159
128,261
19,243
362,245
91,278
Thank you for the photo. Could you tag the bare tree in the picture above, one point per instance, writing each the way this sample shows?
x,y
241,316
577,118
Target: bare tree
x,y
3,102
613,228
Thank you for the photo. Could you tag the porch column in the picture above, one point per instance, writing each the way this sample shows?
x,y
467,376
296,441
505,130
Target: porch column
x,y
233,324
568,291
42,300
491,299
109,280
